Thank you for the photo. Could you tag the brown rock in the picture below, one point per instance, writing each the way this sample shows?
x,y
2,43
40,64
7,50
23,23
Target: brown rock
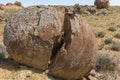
x,y
31,34
9,4
17,3
77,8
40,37
92,9
102,4
77,55
84,9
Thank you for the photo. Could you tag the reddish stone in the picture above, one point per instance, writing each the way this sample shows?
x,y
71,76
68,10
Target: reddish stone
x,y
102,4
79,50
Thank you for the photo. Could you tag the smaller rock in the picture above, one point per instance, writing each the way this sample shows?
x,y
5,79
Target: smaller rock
x,y
92,78
77,8
9,4
93,72
102,4
92,9
17,3
84,79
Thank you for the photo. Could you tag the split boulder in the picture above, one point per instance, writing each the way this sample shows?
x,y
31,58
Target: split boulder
x,y
40,37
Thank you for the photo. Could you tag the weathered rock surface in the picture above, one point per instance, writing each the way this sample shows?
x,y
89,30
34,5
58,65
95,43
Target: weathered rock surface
x,y
30,35
77,55
102,4
40,37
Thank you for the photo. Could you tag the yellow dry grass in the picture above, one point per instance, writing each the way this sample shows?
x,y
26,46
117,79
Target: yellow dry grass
x,y
102,22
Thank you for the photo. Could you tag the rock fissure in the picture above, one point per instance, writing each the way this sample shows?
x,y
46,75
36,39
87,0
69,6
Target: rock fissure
x,y
43,38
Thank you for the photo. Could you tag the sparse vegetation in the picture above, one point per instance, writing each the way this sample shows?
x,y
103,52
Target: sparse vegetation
x,y
108,41
113,29
101,34
106,61
117,35
116,46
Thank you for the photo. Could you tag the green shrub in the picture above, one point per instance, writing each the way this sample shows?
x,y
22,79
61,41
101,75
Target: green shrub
x,y
106,62
117,35
101,34
113,29
116,46
108,41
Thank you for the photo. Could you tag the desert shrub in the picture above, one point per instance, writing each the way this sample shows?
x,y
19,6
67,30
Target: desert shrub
x,y
113,29
116,46
117,35
101,34
104,12
108,41
17,3
106,62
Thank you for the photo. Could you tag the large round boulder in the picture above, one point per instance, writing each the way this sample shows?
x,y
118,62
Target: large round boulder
x,y
30,34
78,53
43,38
102,4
